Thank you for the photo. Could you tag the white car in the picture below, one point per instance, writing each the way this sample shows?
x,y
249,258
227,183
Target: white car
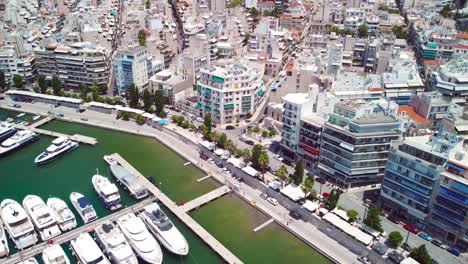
x,y
211,161
278,157
273,201
201,120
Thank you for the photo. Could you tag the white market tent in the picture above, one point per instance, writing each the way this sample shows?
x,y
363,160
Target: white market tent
x,y
348,228
219,152
236,162
310,206
293,191
341,213
250,171
207,145
323,211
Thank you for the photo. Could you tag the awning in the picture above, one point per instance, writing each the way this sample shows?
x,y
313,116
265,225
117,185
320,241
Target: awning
x,y
260,92
218,79
198,105
207,90
199,87
228,106
310,206
207,108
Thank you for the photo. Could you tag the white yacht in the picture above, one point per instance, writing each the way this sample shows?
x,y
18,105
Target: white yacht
x,y
6,130
54,254
87,251
62,214
18,224
4,249
41,217
21,114
83,207
58,147
115,244
161,227
30,260
130,181
36,117
142,242
18,139
107,191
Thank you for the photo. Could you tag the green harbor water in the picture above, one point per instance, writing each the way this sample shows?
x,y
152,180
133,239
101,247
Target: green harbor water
x,y
229,219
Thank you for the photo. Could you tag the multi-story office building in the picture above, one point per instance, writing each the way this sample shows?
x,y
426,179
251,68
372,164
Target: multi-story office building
x,y
230,90
11,63
412,174
74,64
310,134
451,80
448,218
356,141
131,66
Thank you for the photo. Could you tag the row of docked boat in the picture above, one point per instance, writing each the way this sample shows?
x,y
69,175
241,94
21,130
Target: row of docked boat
x,y
123,241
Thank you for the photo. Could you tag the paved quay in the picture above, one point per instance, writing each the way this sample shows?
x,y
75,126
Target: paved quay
x,y
206,198
219,248
67,236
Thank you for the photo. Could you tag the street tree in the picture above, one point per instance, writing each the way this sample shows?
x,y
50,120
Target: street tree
x,y
18,81
142,37
395,238
208,122
332,199
159,103
42,83
282,173
373,219
362,31
147,102
400,32
256,153
229,146
263,161
298,175
140,119
221,140
134,96
56,85
308,187
3,83
352,214
446,12
147,4
84,90
95,91
421,255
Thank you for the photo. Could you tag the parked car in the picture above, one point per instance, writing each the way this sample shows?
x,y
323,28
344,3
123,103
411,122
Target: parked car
x,y
454,251
393,219
364,260
278,157
321,180
250,142
295,214
411,228
406,247
211,161
395,256
273,201
263,196
380,248
425,236
439,243
199,119
230,127
17,106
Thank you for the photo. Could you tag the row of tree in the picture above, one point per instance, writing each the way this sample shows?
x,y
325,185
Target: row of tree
x,y
149,99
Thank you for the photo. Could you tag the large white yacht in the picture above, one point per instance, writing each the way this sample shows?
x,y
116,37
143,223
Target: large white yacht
x,y
130,181
59,146
142,242
4,249
6,130
107,191
18,224
161,226
63,215
54,254
83,207
114,243
19,139
87,251
30,260
41,217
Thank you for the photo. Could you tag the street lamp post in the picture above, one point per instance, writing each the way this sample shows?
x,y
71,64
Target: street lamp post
x,y
407,236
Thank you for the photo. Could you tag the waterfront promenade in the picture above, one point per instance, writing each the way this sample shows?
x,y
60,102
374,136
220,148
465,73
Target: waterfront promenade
x,y
219,248
67,236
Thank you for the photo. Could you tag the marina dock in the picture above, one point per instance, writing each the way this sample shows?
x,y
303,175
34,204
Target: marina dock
x,y
260,227
215,245
41,122
77,138
206,198
67,236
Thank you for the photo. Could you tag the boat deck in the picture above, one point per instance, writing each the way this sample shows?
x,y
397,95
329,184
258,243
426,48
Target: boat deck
x,y
67,236
219,248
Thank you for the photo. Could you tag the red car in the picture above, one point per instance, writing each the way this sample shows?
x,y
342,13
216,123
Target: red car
x,y
411,228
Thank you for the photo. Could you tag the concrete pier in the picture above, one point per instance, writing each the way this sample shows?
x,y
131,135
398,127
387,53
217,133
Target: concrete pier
x,y
215,245
204,178
78,138
41,122
260,227
206,198
67,236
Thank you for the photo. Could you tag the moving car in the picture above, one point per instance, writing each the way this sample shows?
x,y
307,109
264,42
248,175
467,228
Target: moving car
x,y
273,201
229,127
425,236
295,214
264,196
411,228
439,243
278,157
406,247
380,248
364,259
454,251
396,257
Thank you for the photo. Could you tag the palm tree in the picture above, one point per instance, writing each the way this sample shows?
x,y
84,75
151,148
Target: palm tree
x,y
282,172
308,187
229,145
263,162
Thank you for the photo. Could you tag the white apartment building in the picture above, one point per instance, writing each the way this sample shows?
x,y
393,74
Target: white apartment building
x,y
74,64
13,64
452,80
230,91
131,66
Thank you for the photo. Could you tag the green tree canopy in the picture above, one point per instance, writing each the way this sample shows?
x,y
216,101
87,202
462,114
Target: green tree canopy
x,y
159,103
421,255
142,37
352,214
147,4
282,173
362,31
147,102
400,32
221,140
56,85
235,3
207,121
140,119
395,238
332,199
308,187
134,96
3,83
298,172
446,11
84,90
95,91
373,219
18,81
260,159
42,83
